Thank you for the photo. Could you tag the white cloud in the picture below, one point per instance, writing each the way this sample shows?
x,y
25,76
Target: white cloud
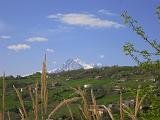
x,y
80,19
49,50
101,56
60,29
37,39
4,37
106,12
18,47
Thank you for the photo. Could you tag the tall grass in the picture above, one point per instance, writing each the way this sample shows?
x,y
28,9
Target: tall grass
x,y
22,110
108,110
85,107
36,101
70,111
138,102
68,101
89,109
3,97
41,112
44,91
121,107
8,114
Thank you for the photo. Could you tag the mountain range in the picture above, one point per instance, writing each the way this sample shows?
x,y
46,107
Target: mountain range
x,y
75,64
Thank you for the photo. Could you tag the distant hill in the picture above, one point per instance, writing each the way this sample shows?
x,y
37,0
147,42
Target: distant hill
x,y
106,83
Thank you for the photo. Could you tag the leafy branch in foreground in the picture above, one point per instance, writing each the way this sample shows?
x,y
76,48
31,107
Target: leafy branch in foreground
x,y
150,62
129,48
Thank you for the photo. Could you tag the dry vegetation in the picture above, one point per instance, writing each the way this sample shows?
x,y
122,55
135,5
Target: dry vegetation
x,y
89,109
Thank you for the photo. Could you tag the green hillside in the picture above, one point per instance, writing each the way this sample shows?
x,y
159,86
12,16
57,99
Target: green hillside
x,y
106,83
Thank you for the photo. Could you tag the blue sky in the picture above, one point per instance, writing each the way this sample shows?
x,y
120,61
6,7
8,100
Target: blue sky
x,y
91,30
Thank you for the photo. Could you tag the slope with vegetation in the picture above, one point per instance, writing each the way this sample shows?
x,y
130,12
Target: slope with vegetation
x,y
106,83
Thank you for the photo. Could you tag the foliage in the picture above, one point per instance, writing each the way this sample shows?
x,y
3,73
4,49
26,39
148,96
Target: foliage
x,y
148,64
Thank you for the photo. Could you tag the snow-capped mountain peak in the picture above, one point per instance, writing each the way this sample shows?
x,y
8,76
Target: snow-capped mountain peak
x,y
73,64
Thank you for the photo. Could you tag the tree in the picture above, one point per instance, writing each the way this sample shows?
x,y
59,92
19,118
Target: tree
x,y
148,63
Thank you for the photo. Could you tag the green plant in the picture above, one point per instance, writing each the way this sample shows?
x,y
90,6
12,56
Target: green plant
x,y
149,64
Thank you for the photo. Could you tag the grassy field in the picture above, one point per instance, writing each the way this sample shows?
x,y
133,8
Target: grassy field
x,y
60,87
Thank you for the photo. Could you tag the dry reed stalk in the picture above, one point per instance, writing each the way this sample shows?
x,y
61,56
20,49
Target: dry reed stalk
x,y
23,111
93,115
109,111
86,105
44,92
70,111
121,107
68,101
129,112
21,114
32,98
80,107
95,108
3,98
36,101
46,102
138,102
9,118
